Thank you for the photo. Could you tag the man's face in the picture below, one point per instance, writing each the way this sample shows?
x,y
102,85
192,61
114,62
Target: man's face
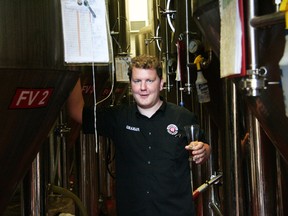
x,y
146,87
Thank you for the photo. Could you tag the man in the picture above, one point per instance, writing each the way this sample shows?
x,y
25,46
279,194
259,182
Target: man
x,y
152,168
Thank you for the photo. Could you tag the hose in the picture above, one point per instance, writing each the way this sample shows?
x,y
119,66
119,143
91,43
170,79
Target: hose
x,y
64,191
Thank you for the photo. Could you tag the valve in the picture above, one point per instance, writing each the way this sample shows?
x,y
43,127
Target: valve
x,y
62,129
152,39
255,82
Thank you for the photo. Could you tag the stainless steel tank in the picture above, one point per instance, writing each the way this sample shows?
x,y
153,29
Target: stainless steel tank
x,y
34,84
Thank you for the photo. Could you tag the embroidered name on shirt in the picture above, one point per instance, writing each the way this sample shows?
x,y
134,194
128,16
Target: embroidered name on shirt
x,y
132,128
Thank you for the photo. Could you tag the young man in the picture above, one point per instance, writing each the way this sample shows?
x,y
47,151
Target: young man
x,y
152,168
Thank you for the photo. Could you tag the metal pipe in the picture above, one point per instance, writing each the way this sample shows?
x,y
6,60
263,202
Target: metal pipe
x,y
252,37
268,20
212,165
35,187
84,172
168,15
64,150
157,37
167,56
260,162
188,84
257,181
52,158
236,153
233,183
88,177
215,209
118,18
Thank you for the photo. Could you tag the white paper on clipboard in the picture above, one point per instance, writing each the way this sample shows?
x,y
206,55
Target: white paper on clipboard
x,y
86,38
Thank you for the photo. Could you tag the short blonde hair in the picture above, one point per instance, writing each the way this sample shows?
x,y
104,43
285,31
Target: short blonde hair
x,y
145,62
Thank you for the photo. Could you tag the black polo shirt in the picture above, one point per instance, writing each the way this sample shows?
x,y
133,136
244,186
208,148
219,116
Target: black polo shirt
x,y
152,168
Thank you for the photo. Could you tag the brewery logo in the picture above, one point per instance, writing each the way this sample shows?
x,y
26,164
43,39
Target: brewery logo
x,y
172,129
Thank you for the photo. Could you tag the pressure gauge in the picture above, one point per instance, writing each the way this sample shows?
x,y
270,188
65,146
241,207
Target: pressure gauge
x,y
194,45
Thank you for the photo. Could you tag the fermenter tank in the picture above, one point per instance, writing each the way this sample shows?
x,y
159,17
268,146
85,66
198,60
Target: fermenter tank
x,y
34,84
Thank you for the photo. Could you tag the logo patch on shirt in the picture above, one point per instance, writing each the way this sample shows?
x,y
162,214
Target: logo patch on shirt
x,y
172,129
